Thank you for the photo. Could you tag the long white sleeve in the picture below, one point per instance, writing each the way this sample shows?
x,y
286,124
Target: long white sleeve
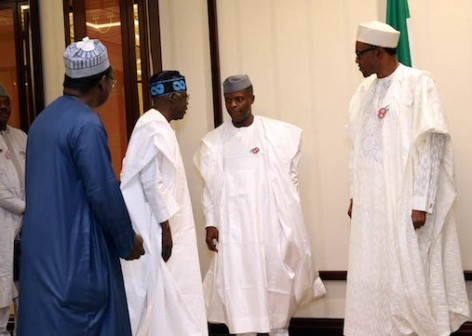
x,y
208,208
294,166
427,172
159,196
10,202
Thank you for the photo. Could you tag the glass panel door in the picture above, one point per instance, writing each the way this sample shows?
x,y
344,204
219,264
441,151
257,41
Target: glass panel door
x,y
122,26
103,22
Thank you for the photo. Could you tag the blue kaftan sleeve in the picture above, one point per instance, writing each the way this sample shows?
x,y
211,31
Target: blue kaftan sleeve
x,y
92,158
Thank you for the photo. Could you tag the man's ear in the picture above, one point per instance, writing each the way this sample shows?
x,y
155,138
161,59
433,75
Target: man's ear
x,y
102,82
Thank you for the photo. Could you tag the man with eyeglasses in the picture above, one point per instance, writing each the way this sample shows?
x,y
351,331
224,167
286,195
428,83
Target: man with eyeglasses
x,y
76,226
404,275
12,206
163,288
262,267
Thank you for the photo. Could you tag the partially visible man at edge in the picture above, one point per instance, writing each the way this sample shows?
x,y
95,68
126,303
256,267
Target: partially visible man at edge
x,y
12,205
163,288
405,274
76,225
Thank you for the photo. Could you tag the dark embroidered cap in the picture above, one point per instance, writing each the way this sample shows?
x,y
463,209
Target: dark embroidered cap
x,y
166,86
236,83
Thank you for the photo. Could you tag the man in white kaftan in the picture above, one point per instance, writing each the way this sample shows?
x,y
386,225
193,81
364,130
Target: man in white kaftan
x,y
405,275
12,204
165,295
263,269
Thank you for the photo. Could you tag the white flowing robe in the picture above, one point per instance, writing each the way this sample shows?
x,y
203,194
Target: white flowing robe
x,y
163,298
12,205
401,281
264,267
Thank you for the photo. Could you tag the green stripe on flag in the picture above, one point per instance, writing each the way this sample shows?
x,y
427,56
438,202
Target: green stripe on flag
x,y
397,13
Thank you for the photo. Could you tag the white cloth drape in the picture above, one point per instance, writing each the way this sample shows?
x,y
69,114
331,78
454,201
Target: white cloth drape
x,y
400,281
163,298
263,269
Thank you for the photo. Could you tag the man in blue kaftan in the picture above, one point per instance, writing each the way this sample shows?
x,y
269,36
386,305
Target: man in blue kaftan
x,y
76,225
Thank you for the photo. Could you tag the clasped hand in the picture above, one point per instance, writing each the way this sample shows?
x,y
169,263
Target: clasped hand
x,y
138,248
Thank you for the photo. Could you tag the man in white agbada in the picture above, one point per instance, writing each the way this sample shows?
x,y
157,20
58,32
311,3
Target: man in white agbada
x,y
405,274
164,287
12,204
262,269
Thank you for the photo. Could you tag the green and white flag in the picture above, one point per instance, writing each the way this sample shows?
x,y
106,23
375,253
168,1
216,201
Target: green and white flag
x,y
397,15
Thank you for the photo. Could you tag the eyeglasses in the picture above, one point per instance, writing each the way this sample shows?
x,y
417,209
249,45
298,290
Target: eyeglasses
x,y
184,95
362,52
113,81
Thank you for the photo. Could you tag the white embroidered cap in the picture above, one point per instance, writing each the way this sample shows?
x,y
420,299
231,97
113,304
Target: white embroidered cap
x,y
85,58
378,34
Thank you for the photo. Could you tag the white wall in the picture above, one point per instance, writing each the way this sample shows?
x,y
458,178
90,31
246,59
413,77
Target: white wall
x,y
52,48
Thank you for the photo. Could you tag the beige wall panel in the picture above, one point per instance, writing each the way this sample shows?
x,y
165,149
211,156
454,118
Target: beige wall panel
x,y
300,57
443,45
185,47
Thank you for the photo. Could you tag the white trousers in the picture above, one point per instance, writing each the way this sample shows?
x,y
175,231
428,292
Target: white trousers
x,y
4,316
